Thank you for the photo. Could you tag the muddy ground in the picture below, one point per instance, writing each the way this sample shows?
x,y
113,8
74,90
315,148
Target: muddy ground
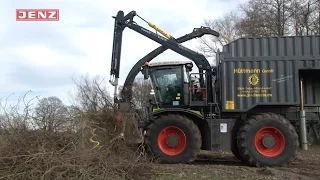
x,y
225,166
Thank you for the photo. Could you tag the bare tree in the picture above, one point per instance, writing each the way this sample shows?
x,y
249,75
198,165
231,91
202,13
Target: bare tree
x,y
252,24
316,18
311,17
225,25
51,114
280,18
92,95
15,116
141,92
265,18
304,17
141,95
280,10
296,8
141,89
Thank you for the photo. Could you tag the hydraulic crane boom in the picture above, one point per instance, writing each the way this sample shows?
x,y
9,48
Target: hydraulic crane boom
x,y
121,22
127,87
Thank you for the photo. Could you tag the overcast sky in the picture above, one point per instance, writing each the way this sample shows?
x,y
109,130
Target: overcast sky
x,y
44,56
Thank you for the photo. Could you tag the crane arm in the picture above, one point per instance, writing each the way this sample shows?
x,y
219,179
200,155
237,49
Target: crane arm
x,y
127,87
121,22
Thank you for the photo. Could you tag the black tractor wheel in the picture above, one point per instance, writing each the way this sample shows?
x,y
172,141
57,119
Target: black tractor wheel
x,y
267,140
234,136
173,139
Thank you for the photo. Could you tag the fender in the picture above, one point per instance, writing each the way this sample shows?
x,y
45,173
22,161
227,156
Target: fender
x,y
159,111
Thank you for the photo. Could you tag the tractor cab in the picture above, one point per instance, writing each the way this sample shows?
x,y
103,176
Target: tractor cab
x,y
173,84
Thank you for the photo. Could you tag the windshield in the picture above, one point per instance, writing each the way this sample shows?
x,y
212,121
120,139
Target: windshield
x,y
168,83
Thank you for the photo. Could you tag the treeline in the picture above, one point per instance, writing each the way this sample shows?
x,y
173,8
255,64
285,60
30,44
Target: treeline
x,y
261,18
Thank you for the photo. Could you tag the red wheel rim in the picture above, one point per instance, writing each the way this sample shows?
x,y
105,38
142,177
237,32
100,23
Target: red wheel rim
x,y
173,132
276,148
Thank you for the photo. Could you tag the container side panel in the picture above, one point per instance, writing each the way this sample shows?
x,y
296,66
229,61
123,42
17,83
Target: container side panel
x,y
274,46
249,82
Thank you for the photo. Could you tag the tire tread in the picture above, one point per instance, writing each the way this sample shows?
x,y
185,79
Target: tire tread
x,y
243,148
183,119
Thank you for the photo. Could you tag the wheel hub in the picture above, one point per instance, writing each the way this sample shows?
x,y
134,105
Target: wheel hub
x,y
172,140
268,141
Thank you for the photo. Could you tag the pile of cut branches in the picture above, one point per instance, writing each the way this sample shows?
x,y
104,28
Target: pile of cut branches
x,y
94,146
